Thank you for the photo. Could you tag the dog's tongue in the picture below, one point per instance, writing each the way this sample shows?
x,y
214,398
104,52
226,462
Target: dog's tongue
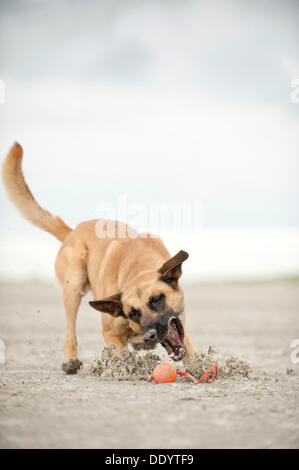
x,y
173,342
173,335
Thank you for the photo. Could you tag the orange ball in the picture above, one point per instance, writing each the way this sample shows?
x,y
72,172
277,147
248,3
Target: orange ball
x,y
164,373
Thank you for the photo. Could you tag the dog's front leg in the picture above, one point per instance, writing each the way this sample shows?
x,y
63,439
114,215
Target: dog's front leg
x,y
190,351
119,341
72,298
71,271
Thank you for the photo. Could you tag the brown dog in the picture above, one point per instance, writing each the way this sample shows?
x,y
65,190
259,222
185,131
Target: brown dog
x,y
142,302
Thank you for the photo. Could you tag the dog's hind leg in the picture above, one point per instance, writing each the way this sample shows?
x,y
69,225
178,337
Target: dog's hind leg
x,y
71,263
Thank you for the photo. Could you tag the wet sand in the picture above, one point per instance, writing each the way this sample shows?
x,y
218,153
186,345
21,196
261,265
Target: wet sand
x,y
41,407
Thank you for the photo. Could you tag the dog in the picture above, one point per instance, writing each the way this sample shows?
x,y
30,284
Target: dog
x,y
133,276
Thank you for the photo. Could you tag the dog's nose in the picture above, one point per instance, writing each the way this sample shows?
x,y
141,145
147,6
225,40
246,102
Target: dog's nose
x,y
150,335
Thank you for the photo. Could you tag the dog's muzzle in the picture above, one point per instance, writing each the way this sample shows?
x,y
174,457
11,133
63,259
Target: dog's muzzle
x,y
169,331
174,340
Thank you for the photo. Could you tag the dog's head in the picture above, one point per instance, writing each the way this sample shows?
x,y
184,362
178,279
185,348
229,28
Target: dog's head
x,y
153,306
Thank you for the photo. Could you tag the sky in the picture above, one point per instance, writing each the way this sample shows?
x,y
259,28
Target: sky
x,y
157,101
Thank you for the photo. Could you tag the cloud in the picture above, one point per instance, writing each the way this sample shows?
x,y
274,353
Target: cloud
x,y
90,142
238,53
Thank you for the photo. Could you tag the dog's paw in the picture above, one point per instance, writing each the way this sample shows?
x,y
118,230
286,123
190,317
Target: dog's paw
x,y
72,366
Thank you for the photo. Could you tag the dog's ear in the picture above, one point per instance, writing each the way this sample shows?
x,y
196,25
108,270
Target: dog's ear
x,y
171,270
111,305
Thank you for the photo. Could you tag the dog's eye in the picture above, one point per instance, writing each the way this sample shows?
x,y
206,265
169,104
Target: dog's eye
x,y
157,302
156,299
134,314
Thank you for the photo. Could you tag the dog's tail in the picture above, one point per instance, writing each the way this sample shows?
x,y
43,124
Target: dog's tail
x,y
20,195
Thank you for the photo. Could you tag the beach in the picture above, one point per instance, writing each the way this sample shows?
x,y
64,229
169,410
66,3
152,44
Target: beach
x,y
41,407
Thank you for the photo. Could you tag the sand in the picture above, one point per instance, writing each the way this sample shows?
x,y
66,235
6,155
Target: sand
x,y
246,328
127,364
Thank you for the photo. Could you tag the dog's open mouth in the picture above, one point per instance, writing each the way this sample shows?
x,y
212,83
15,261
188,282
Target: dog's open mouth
x,y
174,341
